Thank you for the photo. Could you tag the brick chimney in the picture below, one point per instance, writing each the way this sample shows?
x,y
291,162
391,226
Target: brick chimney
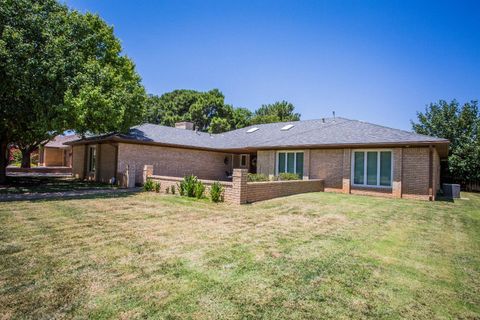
x,y
186,125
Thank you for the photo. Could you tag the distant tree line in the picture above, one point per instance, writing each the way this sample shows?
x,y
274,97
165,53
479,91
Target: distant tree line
x,y
209,112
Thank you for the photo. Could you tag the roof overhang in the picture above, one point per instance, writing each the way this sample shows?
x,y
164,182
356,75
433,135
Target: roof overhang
x,y
440,145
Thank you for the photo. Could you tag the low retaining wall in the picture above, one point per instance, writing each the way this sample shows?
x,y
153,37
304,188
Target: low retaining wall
x,y
63,170
239,191
258,191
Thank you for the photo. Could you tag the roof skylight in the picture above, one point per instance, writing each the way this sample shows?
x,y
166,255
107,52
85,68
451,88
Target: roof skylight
x,y
252,130
287,127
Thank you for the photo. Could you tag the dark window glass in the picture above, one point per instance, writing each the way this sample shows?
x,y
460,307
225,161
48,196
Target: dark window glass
x,y
281,162
359,170
372,167
385,168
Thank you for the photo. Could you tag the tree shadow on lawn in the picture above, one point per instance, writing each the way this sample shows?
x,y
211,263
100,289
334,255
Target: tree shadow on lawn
x,y
23,185
98,196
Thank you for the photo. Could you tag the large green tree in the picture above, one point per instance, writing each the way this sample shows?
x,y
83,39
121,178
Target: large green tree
x,y
460,125
207,110
60,69
276,112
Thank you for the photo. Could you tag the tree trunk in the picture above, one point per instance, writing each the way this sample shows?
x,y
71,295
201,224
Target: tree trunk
x,y
26,158
3,162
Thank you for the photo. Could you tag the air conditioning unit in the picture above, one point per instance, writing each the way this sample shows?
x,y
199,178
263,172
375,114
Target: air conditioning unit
x,y
451,190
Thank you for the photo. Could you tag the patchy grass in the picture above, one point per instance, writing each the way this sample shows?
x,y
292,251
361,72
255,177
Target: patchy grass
x,y
315,255
20,185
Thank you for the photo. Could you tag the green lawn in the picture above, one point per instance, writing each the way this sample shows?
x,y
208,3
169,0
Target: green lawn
x,y
317,255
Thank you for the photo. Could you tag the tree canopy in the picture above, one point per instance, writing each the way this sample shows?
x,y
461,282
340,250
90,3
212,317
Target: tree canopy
x,y
209,112
277,112
460,125
60,69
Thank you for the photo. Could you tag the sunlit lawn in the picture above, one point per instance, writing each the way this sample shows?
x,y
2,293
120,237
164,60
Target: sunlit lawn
x,y
317,255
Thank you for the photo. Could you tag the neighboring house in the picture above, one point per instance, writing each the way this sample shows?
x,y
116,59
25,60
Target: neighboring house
x,y
350,156
56,153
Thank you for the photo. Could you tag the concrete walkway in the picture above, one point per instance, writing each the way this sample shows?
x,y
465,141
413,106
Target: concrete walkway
x,y
64,194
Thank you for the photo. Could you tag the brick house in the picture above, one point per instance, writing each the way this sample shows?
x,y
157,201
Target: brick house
x,y
56,153
349,156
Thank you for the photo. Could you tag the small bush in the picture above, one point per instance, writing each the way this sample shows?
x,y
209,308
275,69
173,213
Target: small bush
x,y
187,186
199,190
157,187
167,190
216,192
256,177
149,185
288,176
172,188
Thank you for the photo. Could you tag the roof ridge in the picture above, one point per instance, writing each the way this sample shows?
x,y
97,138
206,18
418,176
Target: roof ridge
x,y
402,130
327,125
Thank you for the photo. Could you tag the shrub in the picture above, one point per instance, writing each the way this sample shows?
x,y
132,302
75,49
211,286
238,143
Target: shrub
x,y
256,177
288,176
16,157
199,190
157,187
167,190
216,192
149,185
172,188
187,186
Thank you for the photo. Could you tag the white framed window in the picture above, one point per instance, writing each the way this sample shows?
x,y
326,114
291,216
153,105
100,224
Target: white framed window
x,y
243,160
92,158
290,161
372,168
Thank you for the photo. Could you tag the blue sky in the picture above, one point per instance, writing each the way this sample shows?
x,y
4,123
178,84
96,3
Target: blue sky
x,y
377,61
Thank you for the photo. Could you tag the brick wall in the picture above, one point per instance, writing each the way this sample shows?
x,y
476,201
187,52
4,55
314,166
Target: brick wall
x,y
415,173
436,172
106,166
327,164
78,161
239,191
410,171
168,182
266,162
175,162
258,191
53,156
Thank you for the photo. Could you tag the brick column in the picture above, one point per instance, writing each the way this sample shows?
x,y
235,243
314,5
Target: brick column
x,y
240,186
306,164
147,172
347,161
130,176
397,173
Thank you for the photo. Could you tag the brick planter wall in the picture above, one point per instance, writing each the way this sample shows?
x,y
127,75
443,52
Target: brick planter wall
x,y
166,181
239,191
258,191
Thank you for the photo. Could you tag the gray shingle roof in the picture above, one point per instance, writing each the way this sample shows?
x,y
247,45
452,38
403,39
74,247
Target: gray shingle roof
x,y
58,141
324,132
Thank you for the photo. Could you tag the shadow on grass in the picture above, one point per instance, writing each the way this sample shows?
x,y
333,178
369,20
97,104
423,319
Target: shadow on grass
x,y
22,185
118,194
444,199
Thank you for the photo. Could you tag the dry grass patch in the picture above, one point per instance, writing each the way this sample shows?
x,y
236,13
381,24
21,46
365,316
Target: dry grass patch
x,y
305,256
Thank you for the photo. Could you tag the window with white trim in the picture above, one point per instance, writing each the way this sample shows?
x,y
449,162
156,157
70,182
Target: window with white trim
x,y
291,162
372,168
92,158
